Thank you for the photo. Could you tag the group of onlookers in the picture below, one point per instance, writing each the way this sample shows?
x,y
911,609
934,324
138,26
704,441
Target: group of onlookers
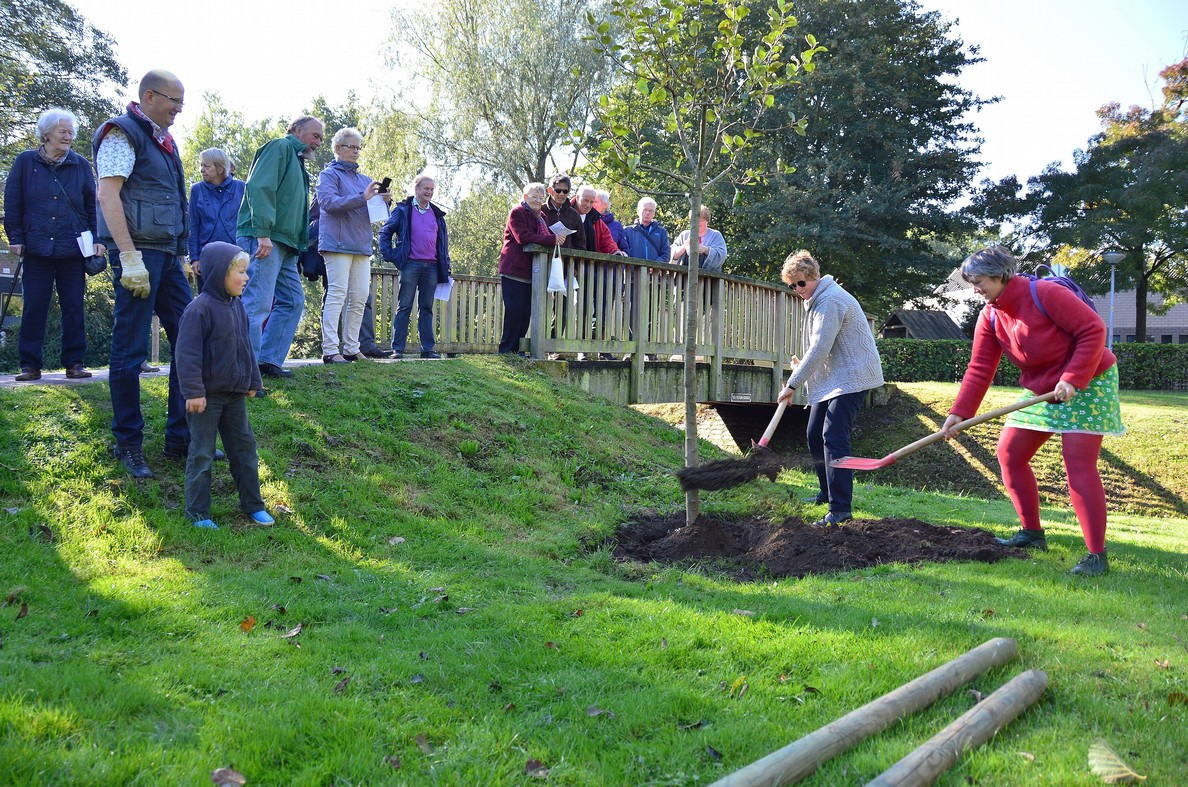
x,y
554,215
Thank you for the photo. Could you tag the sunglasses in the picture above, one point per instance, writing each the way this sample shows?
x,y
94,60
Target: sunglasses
x,y
800,283
560,191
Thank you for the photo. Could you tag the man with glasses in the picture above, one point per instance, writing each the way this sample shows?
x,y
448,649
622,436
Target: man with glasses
x,y
273,229
558,208
143,220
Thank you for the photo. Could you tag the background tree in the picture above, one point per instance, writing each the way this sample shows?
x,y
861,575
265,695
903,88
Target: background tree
x,y
1129,191
51,56
710,75
504,79
219,126
885,151
476,230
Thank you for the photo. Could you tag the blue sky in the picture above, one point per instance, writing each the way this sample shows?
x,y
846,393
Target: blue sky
x,y
1053,62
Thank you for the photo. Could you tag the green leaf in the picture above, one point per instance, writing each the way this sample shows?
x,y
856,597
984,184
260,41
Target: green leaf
x,y
642,86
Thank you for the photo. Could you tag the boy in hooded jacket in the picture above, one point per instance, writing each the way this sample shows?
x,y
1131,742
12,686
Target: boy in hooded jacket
x,y
217,371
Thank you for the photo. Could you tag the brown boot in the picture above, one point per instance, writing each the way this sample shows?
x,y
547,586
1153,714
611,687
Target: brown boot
x,y
28,374
77,372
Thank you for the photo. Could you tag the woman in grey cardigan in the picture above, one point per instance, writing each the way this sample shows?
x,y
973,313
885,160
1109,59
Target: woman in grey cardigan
x,y
839,366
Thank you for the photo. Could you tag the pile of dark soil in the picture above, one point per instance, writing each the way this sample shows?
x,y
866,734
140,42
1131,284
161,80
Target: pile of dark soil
x,y
794,549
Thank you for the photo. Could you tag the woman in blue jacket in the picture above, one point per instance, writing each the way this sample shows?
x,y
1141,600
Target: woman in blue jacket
x,y
214,205
49,215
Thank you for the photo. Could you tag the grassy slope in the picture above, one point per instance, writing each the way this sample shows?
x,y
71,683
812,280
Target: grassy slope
x,y
500,627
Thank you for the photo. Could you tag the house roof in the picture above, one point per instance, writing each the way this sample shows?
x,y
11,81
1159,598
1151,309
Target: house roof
x,y
925,324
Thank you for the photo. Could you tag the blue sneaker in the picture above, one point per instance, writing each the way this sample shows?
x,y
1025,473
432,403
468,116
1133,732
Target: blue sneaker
x,y
206,524
262,518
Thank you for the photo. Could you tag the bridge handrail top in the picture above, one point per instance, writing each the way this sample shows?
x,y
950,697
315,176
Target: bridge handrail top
x,y
582,254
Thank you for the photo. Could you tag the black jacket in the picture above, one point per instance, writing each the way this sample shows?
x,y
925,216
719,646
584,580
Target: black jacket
x,y
567,215
213,352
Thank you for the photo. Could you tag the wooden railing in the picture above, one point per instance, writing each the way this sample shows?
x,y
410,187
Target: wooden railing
x,y
617,306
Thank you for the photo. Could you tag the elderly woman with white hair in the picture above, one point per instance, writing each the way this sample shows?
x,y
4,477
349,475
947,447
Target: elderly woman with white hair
x,y
49,217
214,205
344,239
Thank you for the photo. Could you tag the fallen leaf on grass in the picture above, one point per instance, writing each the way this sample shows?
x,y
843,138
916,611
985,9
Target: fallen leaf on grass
x,y
536,769
874,623
664,643
247,624
494,686
594,710
13,510
977,695
394,540
437,590
284,509
279,609
424,745
1026,755
24,611
1105,762
41,532
577,613
387,610
423,656
811,689
92,613
511,706
739,687
324,578
1165,664
293,631
784,679
226,777
340,687
14,595
1142,626
693,725
418,678
295,580
711,751
746,612
337,670
464,610
392,760
551,644
988,613
1177,698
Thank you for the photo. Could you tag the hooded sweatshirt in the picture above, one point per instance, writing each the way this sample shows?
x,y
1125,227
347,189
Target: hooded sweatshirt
x,y
213,353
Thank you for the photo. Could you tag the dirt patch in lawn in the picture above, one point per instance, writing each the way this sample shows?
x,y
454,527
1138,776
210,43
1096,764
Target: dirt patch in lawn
x,y
793,548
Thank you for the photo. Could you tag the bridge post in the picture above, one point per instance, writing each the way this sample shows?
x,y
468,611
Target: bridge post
x,y
716,329
641,297
783,351
540,299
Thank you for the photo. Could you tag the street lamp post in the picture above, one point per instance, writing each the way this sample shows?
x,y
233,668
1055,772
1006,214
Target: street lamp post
x,y
1113,258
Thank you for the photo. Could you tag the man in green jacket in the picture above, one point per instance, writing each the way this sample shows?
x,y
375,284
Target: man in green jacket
x,y
273,229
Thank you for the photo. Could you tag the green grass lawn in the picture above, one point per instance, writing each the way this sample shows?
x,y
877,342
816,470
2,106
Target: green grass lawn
x,y
443,546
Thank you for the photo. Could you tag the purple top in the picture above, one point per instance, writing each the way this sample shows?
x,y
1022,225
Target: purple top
x,y
423,234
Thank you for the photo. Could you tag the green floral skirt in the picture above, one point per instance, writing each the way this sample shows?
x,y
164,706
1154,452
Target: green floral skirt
x,y
1095,410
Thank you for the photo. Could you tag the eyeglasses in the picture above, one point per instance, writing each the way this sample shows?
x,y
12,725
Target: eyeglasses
x,y
355,148
560,191
800,283
179,103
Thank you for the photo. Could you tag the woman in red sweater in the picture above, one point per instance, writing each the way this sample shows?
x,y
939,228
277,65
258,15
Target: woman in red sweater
x,y
1058,343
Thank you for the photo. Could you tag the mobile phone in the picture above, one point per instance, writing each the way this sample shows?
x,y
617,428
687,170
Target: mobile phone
x,y
384,185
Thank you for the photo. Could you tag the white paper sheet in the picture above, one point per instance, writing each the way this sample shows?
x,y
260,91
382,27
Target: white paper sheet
x,y
442,293
377,209
561,230
86,243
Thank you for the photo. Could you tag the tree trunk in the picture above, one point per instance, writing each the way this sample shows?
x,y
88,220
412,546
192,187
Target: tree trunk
x,y
692,497
1140,303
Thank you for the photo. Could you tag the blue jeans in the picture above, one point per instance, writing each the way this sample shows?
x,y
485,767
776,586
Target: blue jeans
x,y
273,295
130,337
40,276
417,279
829,425
225,414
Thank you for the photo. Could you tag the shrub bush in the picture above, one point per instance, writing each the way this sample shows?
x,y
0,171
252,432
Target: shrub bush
x,y
1143,367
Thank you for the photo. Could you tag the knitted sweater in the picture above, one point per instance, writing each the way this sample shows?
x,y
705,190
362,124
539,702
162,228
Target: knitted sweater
x,y
841,356
1068,344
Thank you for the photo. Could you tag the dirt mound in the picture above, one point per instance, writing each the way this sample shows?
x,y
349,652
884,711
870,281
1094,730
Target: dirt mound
x,y
794,549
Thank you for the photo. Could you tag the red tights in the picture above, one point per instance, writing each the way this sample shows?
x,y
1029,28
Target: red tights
x,y
1080,452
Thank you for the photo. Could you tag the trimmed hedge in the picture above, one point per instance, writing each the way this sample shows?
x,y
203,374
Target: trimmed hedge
x,y
1143,367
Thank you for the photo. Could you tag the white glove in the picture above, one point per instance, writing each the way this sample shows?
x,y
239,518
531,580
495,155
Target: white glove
x,y
134,277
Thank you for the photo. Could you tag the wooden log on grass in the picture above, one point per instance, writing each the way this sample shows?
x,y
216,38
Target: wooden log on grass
x,y
800,758
978,725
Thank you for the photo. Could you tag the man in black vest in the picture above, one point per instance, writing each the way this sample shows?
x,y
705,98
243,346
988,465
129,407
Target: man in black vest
x,y
143,219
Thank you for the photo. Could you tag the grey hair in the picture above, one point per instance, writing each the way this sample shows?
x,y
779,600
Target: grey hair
x,y
604,195
587,188
216,156
993,262
421,179
534,186
343,134
52,117
299,123
645,201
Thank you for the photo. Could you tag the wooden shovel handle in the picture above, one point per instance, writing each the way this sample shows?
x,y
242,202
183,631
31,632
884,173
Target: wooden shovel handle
x,y
990,415
775,421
